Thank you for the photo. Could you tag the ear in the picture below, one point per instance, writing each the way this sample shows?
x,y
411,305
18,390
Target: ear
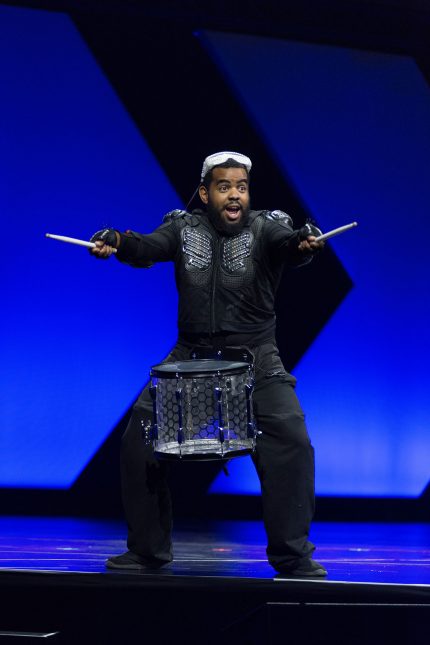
x,y
203,194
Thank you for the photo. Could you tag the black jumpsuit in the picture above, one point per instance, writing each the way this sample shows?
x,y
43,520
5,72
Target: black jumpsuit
x,y
226,288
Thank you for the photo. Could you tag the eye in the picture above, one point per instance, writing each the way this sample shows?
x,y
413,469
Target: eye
x,y
223,188
242,188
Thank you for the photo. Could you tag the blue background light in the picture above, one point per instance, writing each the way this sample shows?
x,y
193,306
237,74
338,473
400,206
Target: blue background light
x,y
351,130
75,345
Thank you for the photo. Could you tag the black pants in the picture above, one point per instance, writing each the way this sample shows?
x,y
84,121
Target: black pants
x,y
284,460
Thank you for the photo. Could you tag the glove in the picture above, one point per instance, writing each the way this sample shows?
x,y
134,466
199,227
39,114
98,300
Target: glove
x,y
106,235
309,229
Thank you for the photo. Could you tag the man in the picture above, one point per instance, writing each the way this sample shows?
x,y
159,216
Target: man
x,y
228,264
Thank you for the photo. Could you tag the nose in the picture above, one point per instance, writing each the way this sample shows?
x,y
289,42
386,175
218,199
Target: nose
x,y
233,193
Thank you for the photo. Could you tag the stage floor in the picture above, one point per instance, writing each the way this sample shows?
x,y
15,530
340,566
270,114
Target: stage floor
x,y
377,554
219,587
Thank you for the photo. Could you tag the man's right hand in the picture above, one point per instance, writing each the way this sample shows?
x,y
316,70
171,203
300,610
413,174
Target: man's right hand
x,y
105,240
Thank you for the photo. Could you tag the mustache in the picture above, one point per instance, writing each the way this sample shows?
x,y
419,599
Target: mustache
x,y
228,229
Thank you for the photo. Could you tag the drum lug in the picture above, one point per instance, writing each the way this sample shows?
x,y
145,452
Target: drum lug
x,y
154,427
250,421
178,394
218,396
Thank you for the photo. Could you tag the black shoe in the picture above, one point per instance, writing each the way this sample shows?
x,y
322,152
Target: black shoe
x,y
306,568
130,560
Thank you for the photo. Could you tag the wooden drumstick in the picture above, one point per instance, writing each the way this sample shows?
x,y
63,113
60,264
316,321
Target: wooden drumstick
x,y
335,231
73,240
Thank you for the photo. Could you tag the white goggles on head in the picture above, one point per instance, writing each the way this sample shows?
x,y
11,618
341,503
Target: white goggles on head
x,y
221,157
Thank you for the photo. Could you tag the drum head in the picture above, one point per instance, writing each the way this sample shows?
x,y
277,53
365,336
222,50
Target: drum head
x,y
198,368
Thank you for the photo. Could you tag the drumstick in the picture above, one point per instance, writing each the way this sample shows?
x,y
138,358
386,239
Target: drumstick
x,y
73,240
335,231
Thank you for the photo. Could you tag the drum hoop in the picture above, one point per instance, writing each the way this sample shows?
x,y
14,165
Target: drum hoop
x,y
202,456
220,368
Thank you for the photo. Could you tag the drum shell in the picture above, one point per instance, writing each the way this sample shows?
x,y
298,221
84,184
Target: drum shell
x,y
212,405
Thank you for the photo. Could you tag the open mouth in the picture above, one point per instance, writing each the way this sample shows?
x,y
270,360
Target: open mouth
x,y
233,212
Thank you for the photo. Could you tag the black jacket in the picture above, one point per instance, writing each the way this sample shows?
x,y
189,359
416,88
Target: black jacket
x,y
225,284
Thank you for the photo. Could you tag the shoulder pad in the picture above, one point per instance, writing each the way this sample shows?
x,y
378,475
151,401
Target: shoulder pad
x,y
193,219
253,216
171,215
279,216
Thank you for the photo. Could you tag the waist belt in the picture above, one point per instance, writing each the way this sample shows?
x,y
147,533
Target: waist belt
x,y
241,354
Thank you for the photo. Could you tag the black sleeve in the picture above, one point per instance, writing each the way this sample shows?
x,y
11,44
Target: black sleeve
x,y
282,240
143,251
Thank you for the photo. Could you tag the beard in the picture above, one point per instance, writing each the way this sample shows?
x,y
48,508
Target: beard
x,y
229,229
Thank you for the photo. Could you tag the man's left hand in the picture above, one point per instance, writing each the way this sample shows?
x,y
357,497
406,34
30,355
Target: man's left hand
x,y
310,245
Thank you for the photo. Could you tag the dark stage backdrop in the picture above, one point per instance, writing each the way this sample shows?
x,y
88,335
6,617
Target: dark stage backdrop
x,y
105,120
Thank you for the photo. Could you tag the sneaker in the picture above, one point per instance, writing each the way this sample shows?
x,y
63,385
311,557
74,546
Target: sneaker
x,y
306,568
130,560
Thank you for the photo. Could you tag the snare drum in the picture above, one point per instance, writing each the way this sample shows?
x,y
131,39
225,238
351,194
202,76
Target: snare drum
x,y
202,409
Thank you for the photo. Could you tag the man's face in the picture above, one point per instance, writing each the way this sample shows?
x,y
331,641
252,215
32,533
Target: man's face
x,y
228,196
